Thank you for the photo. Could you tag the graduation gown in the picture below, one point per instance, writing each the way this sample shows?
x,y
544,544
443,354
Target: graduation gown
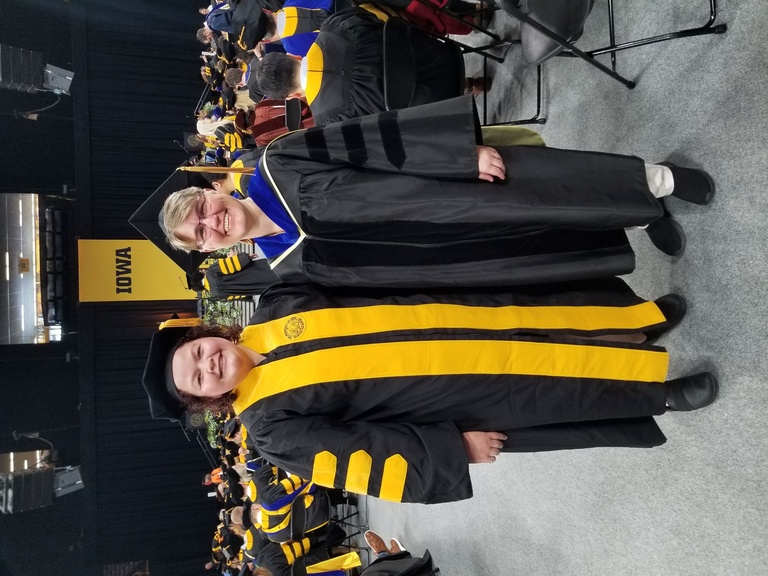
x,y
371,394
278,558
276,495
402,564
238,276
393,199
346,67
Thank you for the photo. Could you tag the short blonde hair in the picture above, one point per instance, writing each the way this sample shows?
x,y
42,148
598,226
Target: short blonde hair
x,y
208,126
176,209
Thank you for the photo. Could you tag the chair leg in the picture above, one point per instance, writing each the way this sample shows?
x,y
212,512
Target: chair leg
x,y
612,33
589,59
535,119
707,28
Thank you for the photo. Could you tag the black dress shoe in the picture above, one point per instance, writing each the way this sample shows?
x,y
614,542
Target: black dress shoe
x,y
667,235
674,307
692,392
691,184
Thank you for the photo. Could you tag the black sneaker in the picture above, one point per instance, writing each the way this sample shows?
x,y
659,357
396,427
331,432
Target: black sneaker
x,y
667,235
691,184
692,392
674,307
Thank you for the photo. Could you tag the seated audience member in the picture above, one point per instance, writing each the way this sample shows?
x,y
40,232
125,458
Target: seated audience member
x,y
219,19
295,26
413,388
343,74
273,496
409,199
242,77
316,549
226,133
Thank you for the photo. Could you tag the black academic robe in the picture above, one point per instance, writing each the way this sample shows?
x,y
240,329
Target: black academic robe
x,y
393,200
238,276
278,558
402,564
351,72
371,394
276,495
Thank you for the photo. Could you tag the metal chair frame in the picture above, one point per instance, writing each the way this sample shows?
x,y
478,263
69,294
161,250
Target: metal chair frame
x,y
571,51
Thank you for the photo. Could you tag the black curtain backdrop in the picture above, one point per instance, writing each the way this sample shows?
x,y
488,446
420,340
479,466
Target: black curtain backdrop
x,y
137,82
135,87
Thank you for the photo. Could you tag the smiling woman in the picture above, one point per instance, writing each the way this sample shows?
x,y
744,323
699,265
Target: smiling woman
x,y
207,220
394,396
411,198
211,366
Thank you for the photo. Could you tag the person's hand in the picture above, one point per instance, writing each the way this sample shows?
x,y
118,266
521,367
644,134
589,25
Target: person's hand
x,y
490,164
483,447
259,50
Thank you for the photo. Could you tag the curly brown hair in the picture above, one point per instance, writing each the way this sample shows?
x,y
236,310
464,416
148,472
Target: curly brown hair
x,y
216,404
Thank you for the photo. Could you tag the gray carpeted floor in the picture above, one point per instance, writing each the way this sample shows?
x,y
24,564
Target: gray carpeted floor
x,y
699,504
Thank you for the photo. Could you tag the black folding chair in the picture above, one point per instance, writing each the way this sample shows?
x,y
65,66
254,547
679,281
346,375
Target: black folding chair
x,y
566,19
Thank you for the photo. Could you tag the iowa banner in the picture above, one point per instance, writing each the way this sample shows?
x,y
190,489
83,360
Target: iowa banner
x,y
128,270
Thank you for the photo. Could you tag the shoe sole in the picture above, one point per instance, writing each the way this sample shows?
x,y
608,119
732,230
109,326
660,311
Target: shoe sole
x,y
711,194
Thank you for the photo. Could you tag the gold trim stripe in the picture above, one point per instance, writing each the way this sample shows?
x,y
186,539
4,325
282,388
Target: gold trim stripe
x,y
383,13
324,468
340,322
290,557
290,21
359,472
315,67
393,478
444,358
237,176
344,562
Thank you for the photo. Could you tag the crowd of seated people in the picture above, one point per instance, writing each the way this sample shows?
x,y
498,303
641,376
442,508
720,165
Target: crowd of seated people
x,y
255,535
260,52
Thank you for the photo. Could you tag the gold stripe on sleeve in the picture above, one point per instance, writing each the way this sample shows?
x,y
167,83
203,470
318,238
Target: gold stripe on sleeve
x,y
324,469
290,557
287,485
393,478
359,472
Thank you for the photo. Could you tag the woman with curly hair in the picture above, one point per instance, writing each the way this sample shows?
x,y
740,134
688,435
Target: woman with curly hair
x,y
394,396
